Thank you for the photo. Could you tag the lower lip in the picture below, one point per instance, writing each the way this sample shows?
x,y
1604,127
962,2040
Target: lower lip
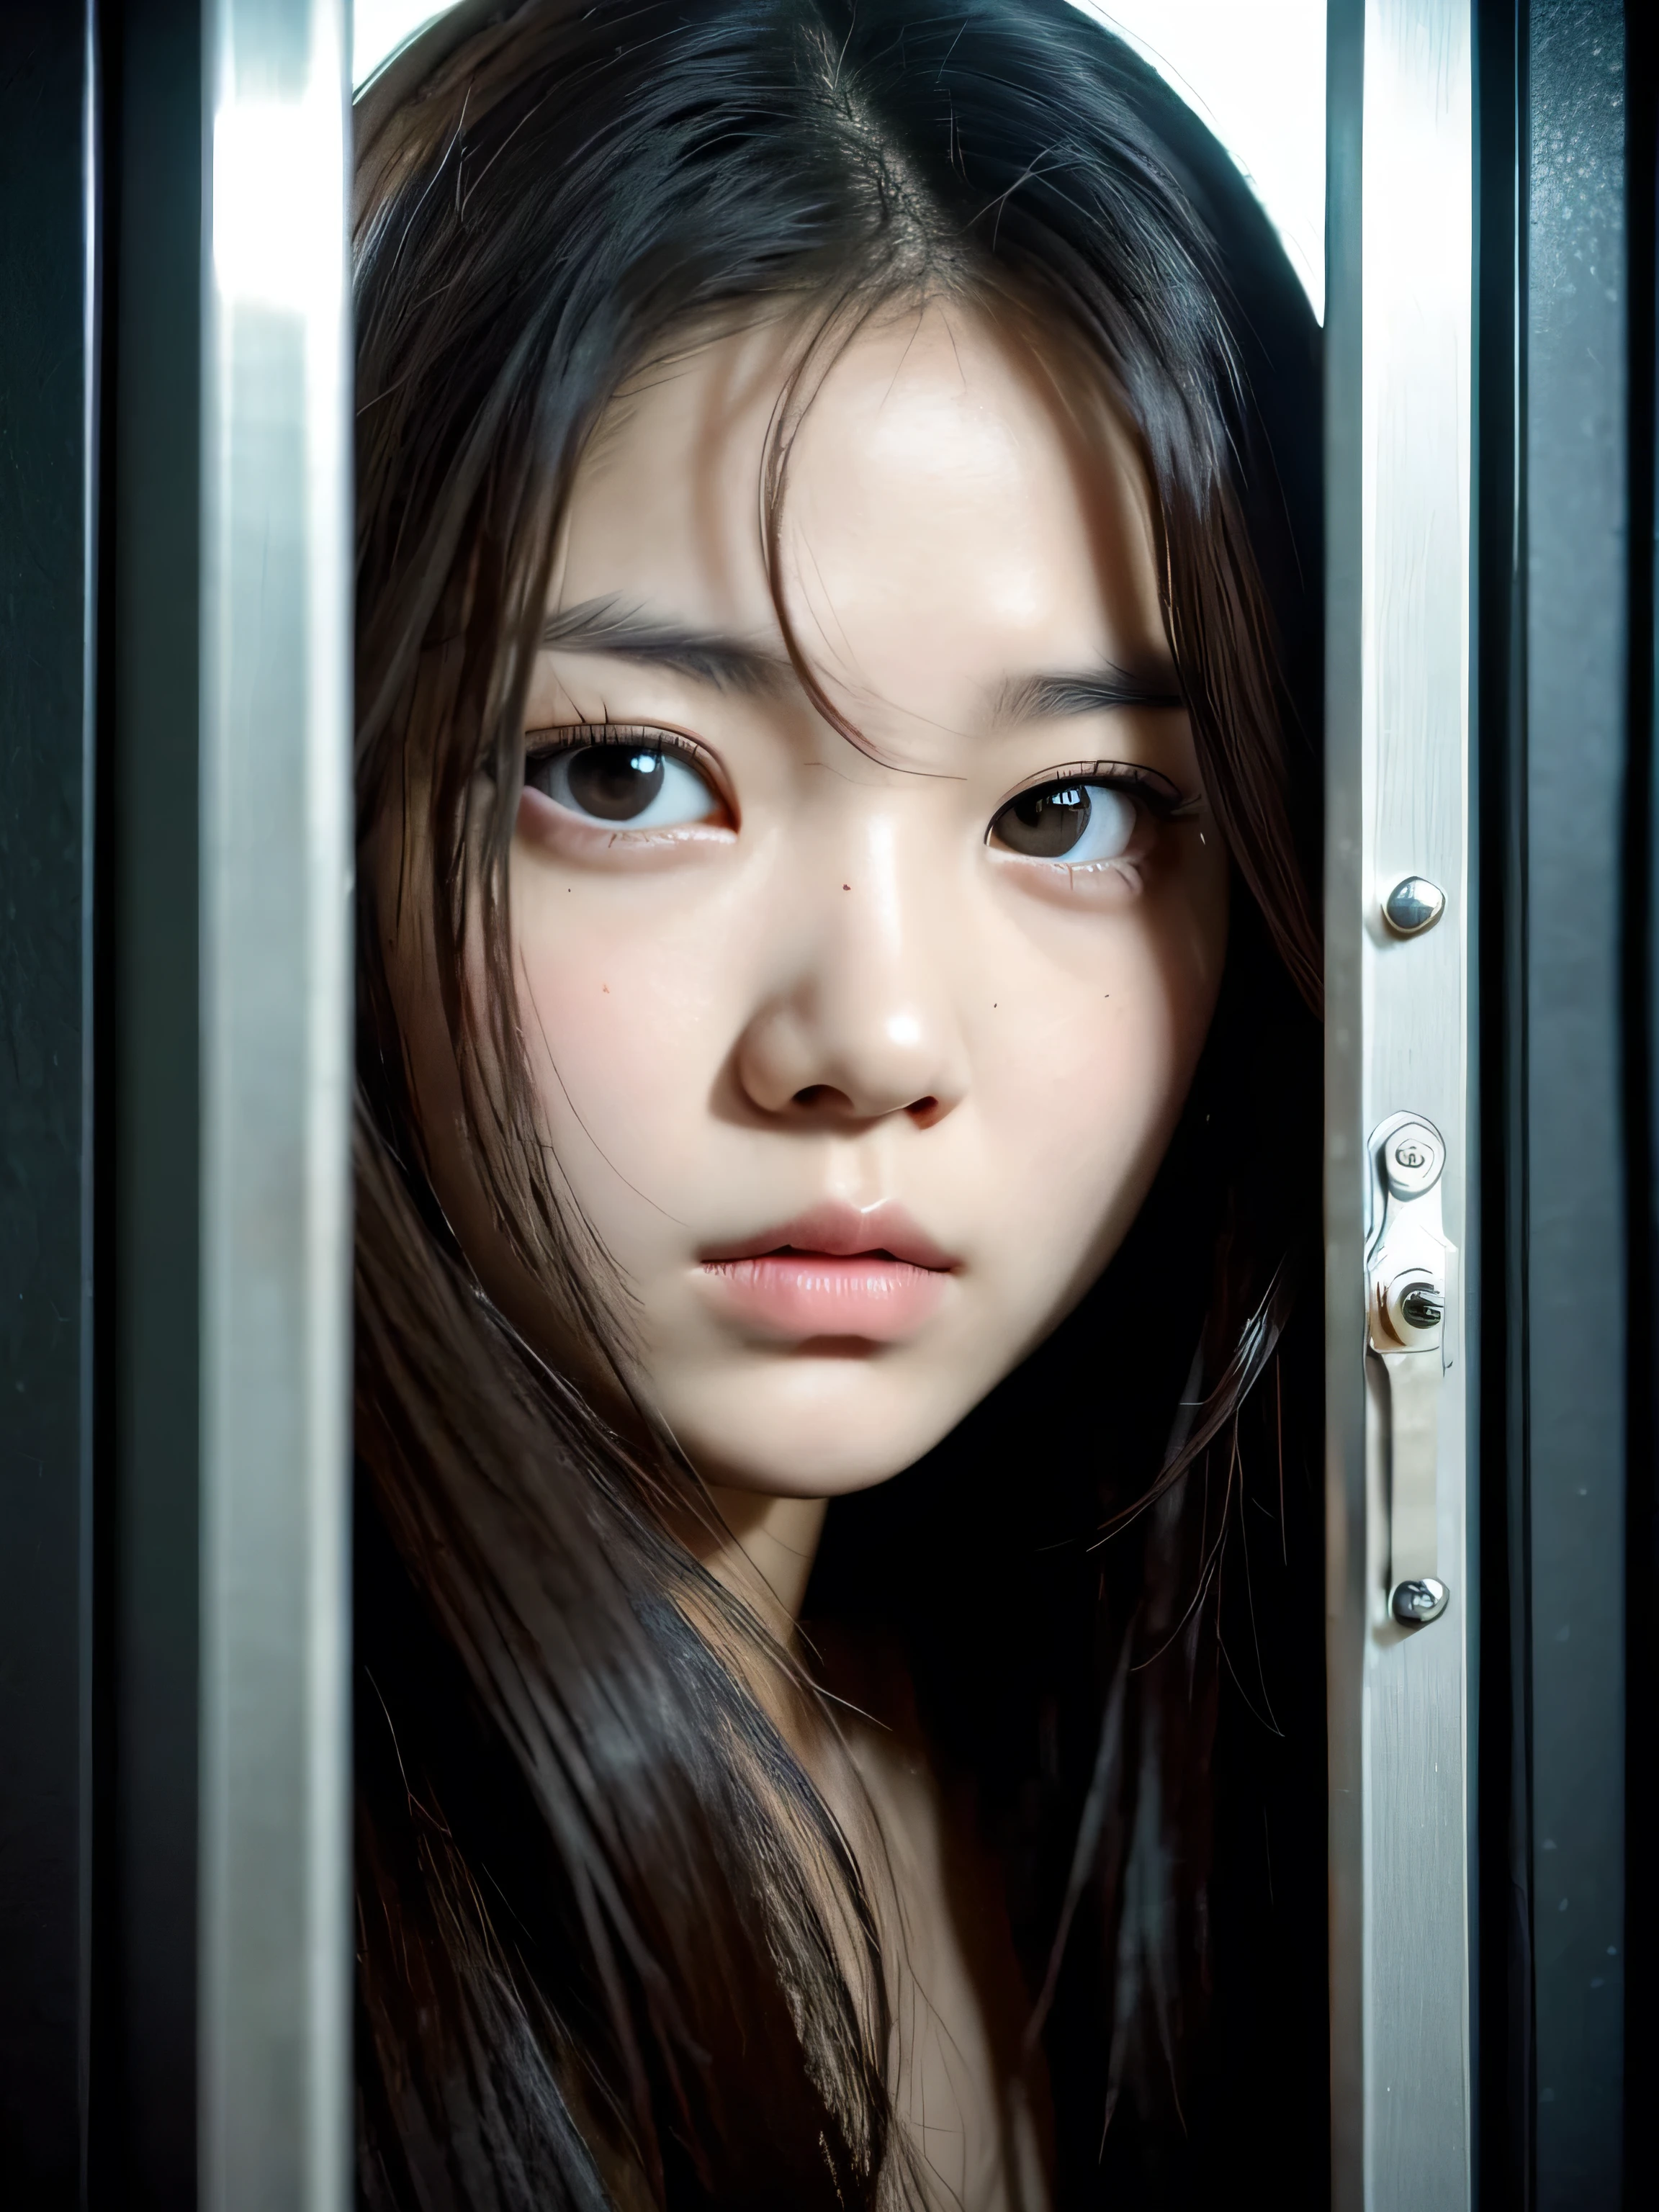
x,y
794,1295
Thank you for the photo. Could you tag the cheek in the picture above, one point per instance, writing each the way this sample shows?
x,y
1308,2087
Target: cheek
x,y
1085,1063
1087,1075
623,1025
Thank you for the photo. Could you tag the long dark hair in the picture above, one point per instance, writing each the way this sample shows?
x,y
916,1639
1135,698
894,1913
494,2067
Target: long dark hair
x,y
613,1948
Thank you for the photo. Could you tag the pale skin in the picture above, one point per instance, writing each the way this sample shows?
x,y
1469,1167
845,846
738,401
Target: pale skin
x,y
817,997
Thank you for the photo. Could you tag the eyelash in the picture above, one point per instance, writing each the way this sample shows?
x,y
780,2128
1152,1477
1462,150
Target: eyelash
x,y
577,737
1160,799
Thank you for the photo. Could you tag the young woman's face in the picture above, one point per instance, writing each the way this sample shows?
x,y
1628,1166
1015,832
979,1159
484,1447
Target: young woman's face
x,y
859,1058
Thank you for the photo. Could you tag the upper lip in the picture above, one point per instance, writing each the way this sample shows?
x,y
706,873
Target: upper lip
x,y
841,1231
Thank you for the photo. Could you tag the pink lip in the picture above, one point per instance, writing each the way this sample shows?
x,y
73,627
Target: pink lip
x,y
834,1272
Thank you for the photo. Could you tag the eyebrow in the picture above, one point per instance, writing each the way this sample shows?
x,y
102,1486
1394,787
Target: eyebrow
x,y
731,664
1094,691
734,664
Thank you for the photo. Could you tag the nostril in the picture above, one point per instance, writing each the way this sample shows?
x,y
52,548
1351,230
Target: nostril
x,y
827,1098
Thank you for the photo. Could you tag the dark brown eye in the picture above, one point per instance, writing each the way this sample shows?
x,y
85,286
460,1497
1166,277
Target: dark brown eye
x,y
638,785
1082,823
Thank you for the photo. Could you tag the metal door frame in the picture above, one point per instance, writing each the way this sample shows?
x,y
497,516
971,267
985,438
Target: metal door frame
x,y
1400,1021
174,1698
1481,2035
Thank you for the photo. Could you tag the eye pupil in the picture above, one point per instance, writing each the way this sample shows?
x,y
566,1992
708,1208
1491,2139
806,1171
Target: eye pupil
x,y
1046,823
613,782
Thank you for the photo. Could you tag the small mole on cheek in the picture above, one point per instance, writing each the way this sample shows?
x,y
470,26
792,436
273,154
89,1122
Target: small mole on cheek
x,y
847,887
605,988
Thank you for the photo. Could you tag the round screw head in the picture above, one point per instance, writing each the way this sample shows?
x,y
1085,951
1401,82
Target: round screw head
x,y
1412,1157
1415,1602
1412,906
1423,1306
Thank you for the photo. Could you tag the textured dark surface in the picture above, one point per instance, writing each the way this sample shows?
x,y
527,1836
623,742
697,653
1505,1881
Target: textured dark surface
x,y
1503,2041
45,1348
144,2072
1577,750
1641,1090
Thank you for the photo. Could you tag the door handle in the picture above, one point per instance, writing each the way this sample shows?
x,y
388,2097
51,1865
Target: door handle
x,y
1406,1265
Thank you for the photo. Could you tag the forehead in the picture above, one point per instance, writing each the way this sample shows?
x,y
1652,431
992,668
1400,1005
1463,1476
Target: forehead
x,y
950,514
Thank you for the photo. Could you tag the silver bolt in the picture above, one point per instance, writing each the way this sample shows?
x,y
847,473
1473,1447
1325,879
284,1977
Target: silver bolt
x,y
1415,1602
1412,906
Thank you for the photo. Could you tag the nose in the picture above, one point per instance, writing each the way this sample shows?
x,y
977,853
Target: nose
x,y
862,1023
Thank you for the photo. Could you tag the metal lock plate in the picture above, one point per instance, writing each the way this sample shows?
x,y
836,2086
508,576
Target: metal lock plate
x,y
1406,1267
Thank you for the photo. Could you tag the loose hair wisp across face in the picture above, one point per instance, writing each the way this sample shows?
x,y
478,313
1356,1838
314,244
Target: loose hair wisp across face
x,y
613,1949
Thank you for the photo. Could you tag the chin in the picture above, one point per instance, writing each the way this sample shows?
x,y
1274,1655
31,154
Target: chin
x,y
811,1426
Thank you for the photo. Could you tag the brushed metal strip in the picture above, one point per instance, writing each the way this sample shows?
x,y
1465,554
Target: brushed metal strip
x,y
1400,1026
274,2042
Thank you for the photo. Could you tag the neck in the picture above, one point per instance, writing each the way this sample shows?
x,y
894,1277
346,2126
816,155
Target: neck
x,y
766,1554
